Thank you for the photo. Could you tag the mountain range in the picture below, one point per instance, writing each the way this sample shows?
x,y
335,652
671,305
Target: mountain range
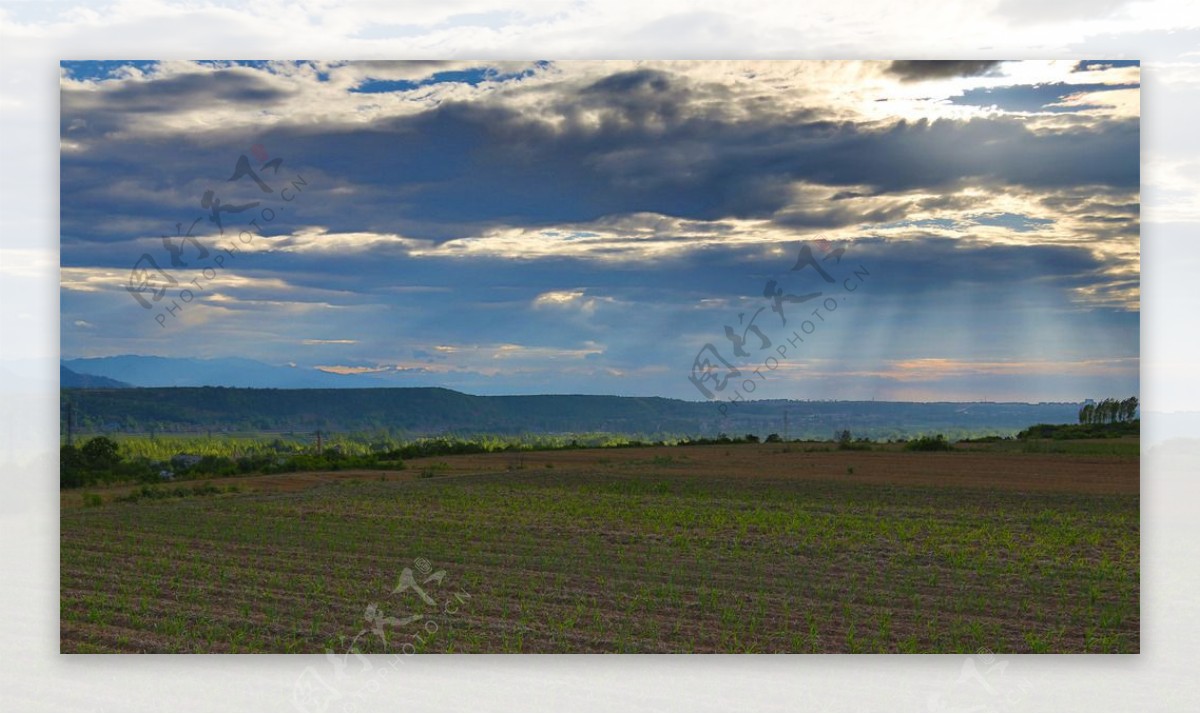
x,y
148,371
418,411
70,378
142,393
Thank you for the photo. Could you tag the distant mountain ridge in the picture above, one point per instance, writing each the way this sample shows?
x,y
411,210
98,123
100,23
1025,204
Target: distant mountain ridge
x,y
70,378
417,411
150,371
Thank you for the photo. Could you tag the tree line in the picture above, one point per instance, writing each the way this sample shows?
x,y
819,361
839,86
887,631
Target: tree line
x,y
1109,411
100,461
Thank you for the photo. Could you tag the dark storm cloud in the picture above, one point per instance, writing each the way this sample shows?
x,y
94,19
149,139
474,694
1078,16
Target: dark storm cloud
x,y
903,269
460,165
920,70
578,154
179,93
836,214
638,141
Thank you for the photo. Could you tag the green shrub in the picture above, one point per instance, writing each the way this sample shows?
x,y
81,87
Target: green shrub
x,y
70,467
929,443
1082,431
100,454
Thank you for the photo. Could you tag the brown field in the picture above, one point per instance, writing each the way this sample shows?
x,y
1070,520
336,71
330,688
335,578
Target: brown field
x,y
741,548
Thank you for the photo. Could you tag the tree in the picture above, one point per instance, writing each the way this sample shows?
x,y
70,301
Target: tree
x,y
1109,411
1129,409
100,454
70,467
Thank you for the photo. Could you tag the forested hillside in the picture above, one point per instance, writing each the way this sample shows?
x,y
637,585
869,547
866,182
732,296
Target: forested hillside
x,y
428,411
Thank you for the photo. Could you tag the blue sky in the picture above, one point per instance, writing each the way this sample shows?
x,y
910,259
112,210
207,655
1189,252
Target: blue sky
x,y
589,227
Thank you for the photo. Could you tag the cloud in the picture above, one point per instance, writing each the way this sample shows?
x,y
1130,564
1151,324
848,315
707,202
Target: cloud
x,y
1037,12
1051,97
557,298
566,145
344,369
921,70
929,369
588,226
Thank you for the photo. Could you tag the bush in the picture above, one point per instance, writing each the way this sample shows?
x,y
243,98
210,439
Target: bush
x,y
846,442
141,470
97,461
929,443
1082,431
70,467
435,447
100,454
152,493
984,440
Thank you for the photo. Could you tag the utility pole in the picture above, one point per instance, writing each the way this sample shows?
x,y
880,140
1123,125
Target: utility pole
x,y
785,426
318,442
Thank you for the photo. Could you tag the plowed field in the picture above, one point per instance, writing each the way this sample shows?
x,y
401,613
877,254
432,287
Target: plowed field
x,y
746,548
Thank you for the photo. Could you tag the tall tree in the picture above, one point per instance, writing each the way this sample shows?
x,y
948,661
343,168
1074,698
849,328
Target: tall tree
x,y
1129,409
100,454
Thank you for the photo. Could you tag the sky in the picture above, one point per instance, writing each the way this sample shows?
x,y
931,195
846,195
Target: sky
x,y
617,227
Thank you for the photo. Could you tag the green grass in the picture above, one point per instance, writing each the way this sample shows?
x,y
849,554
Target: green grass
x,y
164,446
